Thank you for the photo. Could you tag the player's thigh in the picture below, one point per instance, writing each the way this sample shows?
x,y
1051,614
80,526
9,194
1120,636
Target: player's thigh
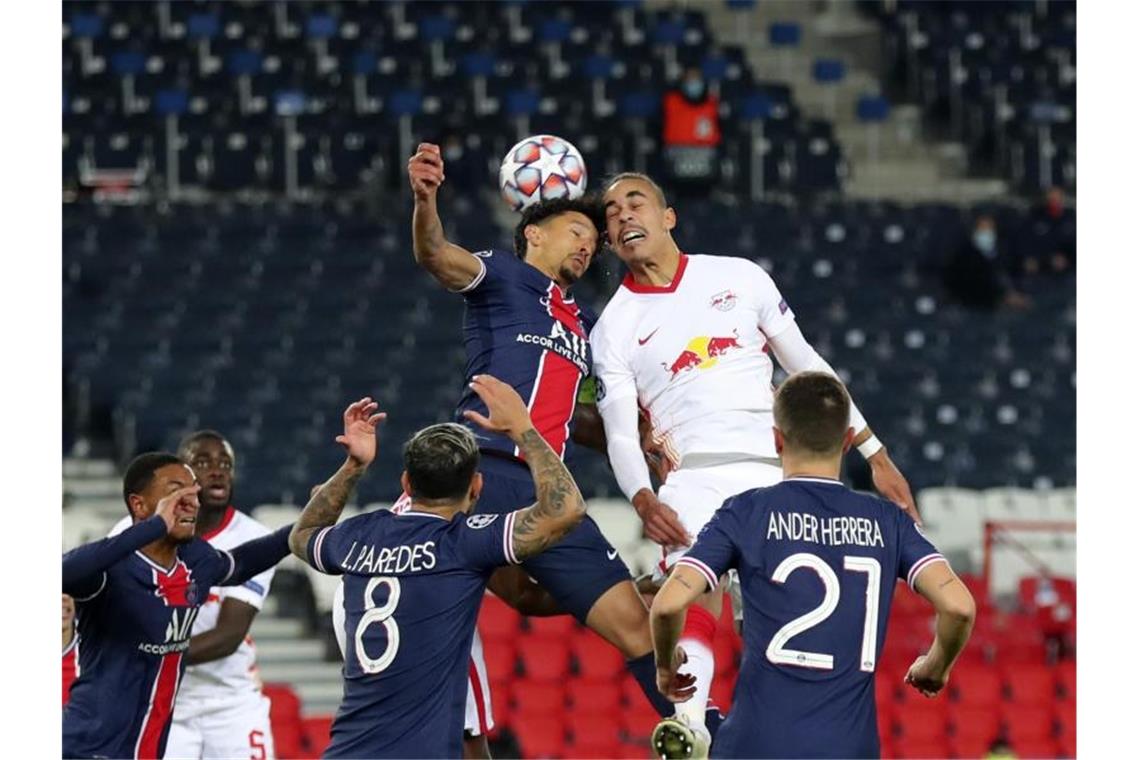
x,y
184,742
579,569
239,733
621,617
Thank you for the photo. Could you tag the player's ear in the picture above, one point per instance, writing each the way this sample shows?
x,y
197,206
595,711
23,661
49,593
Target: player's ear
x,y
405,483
779,437
848,439
136,504
533,234
476,487
670,218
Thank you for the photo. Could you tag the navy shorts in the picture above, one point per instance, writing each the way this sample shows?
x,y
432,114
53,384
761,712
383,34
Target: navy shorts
x,y
578,569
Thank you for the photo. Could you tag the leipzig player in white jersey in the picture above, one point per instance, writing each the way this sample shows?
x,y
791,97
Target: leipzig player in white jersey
x,y
685,341
220,711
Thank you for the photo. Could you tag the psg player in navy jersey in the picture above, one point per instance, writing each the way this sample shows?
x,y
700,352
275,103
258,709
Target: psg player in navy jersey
x,y
523,327
818,564
137,595
413,582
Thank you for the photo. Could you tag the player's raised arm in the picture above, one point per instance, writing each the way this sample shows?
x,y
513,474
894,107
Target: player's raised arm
x,y
795,354
560,506
452,265
954,609
327,503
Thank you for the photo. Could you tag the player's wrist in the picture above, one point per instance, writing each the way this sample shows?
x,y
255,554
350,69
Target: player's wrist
x,y
644,499
517,432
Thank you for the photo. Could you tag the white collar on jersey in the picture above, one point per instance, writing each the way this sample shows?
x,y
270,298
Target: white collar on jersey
x,y
812,479
410,513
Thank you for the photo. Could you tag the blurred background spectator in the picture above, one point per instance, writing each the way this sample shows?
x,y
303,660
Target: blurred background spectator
x,y
978,275
691,133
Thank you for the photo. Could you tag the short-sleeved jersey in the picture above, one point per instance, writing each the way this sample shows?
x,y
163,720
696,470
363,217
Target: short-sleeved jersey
x,y
693,354
817,564
521,328
412,588
232,679
135,628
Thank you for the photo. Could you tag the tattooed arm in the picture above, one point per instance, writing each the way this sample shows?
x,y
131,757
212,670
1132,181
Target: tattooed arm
x,y
326,504
560,506
453,266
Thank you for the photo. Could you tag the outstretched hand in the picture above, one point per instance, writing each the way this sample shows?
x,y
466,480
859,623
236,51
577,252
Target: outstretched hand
x,y
425,171
508,413
677,687
359,437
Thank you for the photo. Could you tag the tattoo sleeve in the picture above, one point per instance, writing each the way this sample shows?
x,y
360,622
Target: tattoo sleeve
x,y
324,508
560,506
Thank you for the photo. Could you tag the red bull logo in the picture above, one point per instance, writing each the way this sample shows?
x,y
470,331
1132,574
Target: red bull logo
x,y
702,352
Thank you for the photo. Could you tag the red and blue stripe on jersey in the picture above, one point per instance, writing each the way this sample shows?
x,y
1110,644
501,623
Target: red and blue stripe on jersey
x,y
522,329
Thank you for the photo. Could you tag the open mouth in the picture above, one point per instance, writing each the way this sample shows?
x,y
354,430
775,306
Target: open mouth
x,y
216,492
629,236
190,521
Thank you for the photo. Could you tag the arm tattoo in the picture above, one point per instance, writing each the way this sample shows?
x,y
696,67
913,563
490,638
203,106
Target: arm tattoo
x,y
559,507
946,582
324,508
683,582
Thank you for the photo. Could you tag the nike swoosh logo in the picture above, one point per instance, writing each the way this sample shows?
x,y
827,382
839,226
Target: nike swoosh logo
x,y
611,554
643,341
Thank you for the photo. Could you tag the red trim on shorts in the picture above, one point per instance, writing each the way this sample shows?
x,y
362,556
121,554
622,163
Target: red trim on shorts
x,y
477,688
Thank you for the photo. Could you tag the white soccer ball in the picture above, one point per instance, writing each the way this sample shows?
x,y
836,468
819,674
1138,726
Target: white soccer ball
x,y
540,168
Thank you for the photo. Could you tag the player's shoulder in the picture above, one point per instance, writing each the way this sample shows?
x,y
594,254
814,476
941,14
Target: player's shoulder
x,y
616,312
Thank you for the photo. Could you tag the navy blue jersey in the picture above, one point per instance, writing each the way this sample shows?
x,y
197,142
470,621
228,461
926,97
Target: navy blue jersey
x,y
412,588
520,328
817,565
134,618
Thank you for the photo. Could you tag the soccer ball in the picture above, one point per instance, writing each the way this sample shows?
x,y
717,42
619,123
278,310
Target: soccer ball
x,y
540,168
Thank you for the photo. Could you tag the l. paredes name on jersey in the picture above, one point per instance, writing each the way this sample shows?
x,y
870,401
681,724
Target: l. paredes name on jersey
x,y
833,531
563,342
366,559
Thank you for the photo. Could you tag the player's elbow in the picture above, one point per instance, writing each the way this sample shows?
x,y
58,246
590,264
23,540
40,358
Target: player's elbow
x,y
298,540
960,606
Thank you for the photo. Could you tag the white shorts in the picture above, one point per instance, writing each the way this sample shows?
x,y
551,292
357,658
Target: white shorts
x,y
234,732
478,719
697,492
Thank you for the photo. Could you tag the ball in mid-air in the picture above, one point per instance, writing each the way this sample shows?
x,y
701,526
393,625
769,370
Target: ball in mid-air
x,y
539,168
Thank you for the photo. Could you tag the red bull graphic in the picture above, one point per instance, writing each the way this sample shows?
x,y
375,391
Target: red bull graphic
x,y
702,352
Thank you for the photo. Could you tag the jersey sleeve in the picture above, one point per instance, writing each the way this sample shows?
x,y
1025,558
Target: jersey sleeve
x,y
495,269
614,379
916,553
329,548
773,313
715,551
253,591
486,541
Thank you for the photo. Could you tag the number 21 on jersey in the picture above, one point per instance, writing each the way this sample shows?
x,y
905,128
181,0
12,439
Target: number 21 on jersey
x,y
778,652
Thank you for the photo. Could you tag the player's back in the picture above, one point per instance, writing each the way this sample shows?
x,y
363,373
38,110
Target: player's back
x,y
818,564
412,588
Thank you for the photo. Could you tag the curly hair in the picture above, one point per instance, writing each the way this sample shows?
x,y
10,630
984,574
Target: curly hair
x,y
588,205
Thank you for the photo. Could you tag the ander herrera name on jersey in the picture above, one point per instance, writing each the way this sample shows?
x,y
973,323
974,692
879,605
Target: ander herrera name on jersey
x,y
389,560
832,531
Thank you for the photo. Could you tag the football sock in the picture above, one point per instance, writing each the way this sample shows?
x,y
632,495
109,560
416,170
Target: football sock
x,y
644,671
697,641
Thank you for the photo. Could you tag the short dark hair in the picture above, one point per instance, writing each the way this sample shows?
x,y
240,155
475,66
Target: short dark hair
x,y
589,205
140,472
813,411
200,435
440,461
657,191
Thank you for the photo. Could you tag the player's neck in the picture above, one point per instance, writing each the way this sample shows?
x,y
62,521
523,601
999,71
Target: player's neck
x,y
657,271
564,287
68,635
803,467
447,511
209,519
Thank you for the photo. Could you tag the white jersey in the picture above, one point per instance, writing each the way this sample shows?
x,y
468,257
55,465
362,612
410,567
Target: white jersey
x,y
694,355
232,679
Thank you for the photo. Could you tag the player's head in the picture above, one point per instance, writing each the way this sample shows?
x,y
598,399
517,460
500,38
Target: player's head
x,y
440,467
211,457
152,476
812,411
561,237
68,612
639,221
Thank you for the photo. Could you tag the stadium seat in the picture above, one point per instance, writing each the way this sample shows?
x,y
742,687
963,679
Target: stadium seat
x,y
497,620
1027,723
1030,684
886,689
885,718
1066,674
922,721
1036,748
595,657
594,736
934,748
594,696
968,746
285,719
500,659
1067,746
537,698
1065,715
544,658
501,705
317,734
556,625
977,686
970,724
541,737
